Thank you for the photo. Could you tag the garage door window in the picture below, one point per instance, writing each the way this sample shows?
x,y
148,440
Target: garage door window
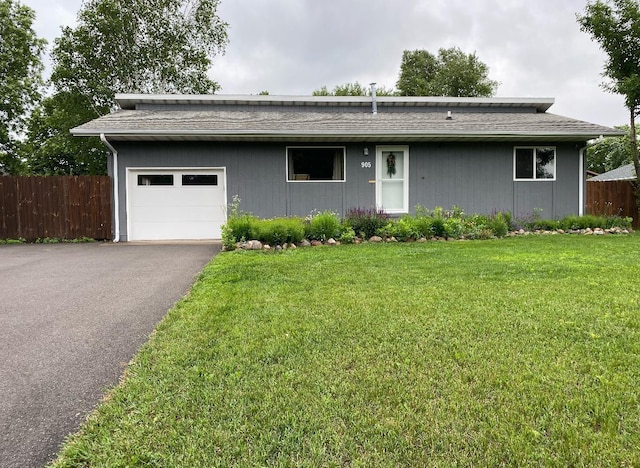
x,y
199,179
155,179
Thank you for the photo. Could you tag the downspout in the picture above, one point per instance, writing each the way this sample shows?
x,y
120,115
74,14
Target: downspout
x,y
116,188
583,185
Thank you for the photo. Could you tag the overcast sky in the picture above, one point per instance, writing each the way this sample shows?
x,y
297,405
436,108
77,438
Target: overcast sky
x,y
533,48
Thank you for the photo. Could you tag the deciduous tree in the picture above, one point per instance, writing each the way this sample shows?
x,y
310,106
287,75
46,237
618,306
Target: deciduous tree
x,y
352,89
615,25
610,153
20,78
451,73
134,46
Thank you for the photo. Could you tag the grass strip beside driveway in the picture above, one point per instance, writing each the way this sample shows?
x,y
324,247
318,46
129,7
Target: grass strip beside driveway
x,y
517,351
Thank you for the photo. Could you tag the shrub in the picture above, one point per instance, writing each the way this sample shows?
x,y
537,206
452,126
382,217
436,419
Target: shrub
x,y
323,226
228,239
366,222
242,226
404,229
348,235
454,227
423,226
498,224
279,231
437,227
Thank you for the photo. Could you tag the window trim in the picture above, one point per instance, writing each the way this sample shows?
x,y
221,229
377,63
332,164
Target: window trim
x,y
333,181
535,177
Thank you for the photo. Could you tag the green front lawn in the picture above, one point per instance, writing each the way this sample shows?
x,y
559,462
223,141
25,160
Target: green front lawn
x,y
520,351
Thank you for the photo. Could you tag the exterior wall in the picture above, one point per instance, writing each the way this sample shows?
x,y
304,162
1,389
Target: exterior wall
x,y
478,177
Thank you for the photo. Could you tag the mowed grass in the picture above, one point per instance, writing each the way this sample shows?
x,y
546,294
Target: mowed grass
x,y
519,351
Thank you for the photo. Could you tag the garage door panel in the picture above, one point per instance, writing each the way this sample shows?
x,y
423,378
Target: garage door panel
x,y
179,214
163,212
158,231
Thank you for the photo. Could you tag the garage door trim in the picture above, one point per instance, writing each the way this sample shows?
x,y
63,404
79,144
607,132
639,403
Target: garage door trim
x,y
133,172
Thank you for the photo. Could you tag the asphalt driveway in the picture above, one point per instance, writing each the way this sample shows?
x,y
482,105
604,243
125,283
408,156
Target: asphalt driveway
x,y
71,317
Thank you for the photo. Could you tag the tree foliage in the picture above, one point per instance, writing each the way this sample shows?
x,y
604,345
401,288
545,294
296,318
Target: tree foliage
x,y
451,73
353,89
137,46
20,77
610,153
615,25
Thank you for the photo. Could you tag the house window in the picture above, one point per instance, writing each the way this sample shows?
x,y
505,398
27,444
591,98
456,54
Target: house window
x,y
315,164
155,179
199,179
535,163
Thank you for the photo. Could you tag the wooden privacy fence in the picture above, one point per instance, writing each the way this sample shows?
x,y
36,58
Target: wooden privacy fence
x,y
65,207
612,197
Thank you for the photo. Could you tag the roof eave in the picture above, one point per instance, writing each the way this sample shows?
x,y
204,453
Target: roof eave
x,y
326,136
129,101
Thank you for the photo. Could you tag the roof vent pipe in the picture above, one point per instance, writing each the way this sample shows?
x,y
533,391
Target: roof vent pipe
x,y
374,103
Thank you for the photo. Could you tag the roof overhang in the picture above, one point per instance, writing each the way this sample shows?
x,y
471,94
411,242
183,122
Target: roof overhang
x,y
129,101
313,137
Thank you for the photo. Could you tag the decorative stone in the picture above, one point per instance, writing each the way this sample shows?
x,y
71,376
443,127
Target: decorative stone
x,y
521,231
331,241
305,243
292,246
560,231
422,239
278,248
375,239
316,243
254,245
266,247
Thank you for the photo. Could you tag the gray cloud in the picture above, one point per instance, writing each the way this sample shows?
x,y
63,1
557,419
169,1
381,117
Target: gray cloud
x,y
296,46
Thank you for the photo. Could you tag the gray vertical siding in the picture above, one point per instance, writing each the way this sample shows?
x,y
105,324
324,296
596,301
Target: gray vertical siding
x,y
478,177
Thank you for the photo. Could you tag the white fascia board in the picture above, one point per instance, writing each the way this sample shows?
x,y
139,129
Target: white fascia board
x,y
247,135
128,101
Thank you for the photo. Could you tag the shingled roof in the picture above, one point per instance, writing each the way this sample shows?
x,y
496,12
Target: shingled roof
x,y
626,172
337,119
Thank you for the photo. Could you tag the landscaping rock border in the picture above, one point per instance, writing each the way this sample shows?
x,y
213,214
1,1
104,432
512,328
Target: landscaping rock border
x,y
257,245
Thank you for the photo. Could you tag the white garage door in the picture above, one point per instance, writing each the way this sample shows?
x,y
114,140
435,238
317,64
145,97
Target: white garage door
x,y
165,204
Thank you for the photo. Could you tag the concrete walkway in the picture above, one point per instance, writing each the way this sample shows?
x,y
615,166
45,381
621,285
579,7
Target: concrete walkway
x,y
71,317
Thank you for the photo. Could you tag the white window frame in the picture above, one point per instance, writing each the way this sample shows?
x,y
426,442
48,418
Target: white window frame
x,y
535,172
344,164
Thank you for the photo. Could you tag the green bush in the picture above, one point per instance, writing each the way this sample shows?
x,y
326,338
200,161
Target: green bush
x,y
405,229
323,226
437,227
423,226
242,226
279,231
366,222
499,225
454,227
348,235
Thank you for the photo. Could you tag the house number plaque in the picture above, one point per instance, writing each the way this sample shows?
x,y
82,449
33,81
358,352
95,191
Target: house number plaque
x,y
365,164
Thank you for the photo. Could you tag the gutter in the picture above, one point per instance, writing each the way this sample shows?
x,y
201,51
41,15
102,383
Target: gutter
x,y
355,136
116,191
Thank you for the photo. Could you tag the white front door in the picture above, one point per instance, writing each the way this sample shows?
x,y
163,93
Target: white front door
x,y
173,204
392,178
